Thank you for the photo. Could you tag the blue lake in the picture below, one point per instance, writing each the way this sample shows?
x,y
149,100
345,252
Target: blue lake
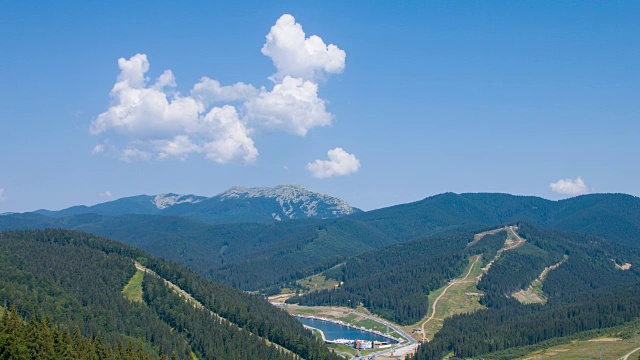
x,y
335,331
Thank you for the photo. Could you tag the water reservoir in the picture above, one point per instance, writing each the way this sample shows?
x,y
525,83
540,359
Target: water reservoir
x,y
333,331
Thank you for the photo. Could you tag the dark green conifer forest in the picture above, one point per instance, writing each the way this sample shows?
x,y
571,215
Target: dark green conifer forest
x,y
74,280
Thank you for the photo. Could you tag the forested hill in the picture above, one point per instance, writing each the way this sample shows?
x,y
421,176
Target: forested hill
x,y
613,216
253,256
394,282
65,280
588,291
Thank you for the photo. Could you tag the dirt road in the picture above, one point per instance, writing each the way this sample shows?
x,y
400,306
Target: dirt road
x,y
626,357
435,302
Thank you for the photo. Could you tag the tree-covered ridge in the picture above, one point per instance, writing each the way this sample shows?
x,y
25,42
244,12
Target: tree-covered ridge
x,y
48,272
210,336
394,282
587,292
39,339
77,278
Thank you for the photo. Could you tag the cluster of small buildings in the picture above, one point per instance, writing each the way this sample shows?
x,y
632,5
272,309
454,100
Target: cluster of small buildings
x,y
362,344
365,344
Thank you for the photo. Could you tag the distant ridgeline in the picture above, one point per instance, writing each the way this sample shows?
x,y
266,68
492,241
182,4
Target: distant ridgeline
x,y
238,204
75,281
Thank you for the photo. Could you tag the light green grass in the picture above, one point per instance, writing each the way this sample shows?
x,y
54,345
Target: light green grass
x,y
454,302
133,290
342,349
307,311
349,318
369,351
587,349
318,282
616,341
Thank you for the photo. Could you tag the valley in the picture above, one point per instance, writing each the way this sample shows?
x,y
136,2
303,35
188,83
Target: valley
x,y
360,318
431,277
319,180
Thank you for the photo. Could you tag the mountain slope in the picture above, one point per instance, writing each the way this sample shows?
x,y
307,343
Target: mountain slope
x,y
586,292
77,279
283,202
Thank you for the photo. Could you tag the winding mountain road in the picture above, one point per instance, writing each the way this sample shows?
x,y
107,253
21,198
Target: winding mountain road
x,y
626,357
435,302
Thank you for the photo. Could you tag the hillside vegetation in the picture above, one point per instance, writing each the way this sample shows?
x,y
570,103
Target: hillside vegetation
x,y
39,339
76,280
586,293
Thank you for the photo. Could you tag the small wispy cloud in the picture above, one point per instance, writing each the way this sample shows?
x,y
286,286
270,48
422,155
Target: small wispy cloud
x,y
570,186
340,163
2,197
105,195
98,149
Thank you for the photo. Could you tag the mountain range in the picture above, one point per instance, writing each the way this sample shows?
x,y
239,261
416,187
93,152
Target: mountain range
x,y
256,254
238,204
388,260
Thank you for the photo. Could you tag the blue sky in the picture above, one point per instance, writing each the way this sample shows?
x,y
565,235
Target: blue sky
x,y
416,98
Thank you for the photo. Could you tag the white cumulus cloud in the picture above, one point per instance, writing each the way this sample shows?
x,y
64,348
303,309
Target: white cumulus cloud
x,y
145,110
230,138
2,197
179,147
209,91
569,186
292,106
150,119
161,123
295,55
340,163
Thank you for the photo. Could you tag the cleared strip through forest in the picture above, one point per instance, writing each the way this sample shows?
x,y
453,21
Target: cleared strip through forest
x,y
512,241
533,293
198,305
452,283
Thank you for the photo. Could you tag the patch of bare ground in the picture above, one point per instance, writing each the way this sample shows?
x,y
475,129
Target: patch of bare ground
x,y
479,236
607,339
280,298
527,297
534,294
513,241
625,266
